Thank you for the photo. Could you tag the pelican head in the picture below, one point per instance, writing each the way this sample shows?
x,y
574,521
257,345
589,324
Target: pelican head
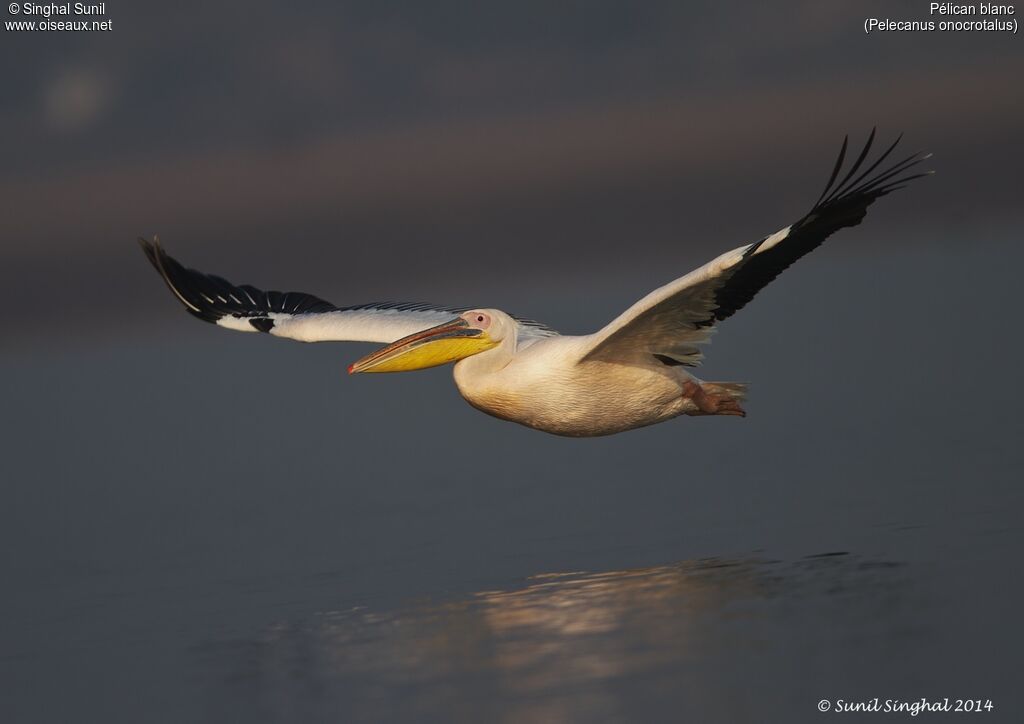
x,y
471,333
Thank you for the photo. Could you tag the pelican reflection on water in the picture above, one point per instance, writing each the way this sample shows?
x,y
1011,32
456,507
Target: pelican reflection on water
x,y
575,646
633,372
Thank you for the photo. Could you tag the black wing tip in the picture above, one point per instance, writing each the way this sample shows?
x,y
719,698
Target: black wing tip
x,y
149,249
175,277
156,255
840,205
835,170
211,298
861,190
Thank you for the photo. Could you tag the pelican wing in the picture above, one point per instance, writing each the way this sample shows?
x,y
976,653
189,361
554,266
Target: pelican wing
x,y
671,321
297,315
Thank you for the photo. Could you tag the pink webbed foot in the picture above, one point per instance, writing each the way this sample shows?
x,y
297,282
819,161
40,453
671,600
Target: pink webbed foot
x,y
712,402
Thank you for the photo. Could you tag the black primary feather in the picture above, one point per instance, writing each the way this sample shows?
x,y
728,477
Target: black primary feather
x,y
839,206
210,297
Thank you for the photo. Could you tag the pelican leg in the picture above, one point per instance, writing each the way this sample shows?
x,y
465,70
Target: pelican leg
x,y
711,400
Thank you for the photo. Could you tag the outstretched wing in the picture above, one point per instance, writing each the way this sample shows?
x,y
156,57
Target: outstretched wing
x,y
297,315
671,321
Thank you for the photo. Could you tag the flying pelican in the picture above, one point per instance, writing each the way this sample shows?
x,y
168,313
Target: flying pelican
x,y
631,373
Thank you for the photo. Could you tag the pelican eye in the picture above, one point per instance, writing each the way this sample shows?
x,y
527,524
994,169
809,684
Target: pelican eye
x,y
480,320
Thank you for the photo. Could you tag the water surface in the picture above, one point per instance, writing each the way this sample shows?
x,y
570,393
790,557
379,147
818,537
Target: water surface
x,y
199,526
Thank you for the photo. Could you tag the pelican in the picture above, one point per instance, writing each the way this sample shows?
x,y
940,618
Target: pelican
x,y
633,372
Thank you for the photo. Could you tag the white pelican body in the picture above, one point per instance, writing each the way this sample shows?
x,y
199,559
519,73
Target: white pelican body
x,y
543,385
631,373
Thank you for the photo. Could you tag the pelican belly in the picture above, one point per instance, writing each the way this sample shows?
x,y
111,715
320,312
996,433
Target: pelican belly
x,y
545,388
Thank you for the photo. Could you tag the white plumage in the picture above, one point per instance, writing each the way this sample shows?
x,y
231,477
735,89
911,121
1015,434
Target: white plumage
x,y
631,373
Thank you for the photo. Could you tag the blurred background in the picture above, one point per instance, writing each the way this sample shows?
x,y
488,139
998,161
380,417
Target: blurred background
x,y
202,526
